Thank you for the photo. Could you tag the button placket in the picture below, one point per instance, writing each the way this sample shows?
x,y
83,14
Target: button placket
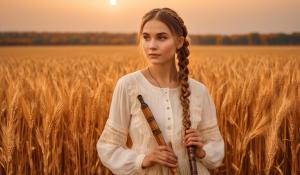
x,y
168,112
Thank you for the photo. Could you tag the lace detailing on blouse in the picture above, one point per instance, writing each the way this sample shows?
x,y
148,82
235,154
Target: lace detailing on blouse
x,y
113,136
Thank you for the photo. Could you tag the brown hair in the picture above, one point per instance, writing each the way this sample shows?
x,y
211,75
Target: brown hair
x,y
177,27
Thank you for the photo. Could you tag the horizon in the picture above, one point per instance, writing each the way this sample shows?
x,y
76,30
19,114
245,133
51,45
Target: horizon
x,y
103,16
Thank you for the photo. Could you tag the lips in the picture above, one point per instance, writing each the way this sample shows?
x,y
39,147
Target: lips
x,y
153,54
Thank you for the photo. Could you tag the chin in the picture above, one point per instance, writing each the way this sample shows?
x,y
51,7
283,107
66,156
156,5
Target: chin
x,y
158,61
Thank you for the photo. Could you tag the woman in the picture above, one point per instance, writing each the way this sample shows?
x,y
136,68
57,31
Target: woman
x,y
182,107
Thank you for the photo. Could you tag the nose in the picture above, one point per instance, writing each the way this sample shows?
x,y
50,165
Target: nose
x,y
152,44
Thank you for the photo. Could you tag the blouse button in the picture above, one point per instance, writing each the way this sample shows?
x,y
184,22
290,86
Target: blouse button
x,y
169,127
169,118
167,100
168,107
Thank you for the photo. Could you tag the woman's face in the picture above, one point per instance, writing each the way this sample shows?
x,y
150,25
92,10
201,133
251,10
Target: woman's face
x,y
157,39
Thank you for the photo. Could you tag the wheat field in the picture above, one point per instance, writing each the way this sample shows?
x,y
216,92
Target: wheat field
x,y
54,102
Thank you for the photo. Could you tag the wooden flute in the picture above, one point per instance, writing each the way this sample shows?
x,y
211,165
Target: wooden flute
x,y
154,126
192,159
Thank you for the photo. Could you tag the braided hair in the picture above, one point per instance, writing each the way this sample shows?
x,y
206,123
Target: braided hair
x,y
177,26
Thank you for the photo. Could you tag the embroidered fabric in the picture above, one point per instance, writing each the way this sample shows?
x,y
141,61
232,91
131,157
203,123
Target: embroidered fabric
x,y
113,136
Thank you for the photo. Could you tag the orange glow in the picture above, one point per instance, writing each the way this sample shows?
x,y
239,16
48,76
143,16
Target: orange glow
x,y
201,17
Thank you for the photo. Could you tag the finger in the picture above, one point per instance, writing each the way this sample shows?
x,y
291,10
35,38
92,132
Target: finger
x,y
170,156
197,139
168,149
194,139
162,162
165,150
162,148
167,158
198,144
171,150
157,150
191,130
193,134
170,145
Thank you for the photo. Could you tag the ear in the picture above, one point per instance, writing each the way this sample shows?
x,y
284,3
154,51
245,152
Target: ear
x,y
179,42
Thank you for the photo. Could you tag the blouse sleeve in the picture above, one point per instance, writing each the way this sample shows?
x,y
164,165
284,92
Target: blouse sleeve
x,y
209,130
111,146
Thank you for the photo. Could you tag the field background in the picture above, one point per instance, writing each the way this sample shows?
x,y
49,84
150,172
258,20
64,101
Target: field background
x,y
54,102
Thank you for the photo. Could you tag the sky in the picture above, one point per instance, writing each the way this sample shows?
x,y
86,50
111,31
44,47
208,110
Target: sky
x,y
124,16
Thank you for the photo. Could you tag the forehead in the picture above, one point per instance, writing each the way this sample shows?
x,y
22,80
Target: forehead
x,y
154,27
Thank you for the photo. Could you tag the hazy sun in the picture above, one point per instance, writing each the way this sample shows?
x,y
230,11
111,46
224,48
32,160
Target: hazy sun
x,y
113,2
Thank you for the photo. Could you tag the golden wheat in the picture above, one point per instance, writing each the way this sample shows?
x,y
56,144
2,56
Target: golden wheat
x,y
55,102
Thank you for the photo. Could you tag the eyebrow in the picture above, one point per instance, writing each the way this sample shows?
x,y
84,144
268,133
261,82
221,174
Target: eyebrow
x,y
161,33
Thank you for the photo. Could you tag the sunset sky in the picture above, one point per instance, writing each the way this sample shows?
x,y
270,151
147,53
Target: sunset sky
x,y
200,16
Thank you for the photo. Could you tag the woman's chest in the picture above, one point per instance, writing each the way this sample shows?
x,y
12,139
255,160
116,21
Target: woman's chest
x,y
167,111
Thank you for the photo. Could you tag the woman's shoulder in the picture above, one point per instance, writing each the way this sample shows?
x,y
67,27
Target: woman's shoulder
x,y
197,86
128,81
128,78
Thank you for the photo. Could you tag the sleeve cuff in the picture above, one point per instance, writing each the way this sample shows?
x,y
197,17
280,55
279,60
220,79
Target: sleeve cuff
x,y
207,153
138,164
214,155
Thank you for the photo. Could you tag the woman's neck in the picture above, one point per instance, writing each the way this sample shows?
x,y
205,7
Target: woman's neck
x,y
165,74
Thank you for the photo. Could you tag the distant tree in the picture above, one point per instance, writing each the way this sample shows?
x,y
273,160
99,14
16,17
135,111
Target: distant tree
x,y
207,39
239,40
295,38
254,39
219,39
227,40
104,38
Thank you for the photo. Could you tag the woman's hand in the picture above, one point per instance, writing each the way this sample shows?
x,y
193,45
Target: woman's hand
x,y
192,137
163,155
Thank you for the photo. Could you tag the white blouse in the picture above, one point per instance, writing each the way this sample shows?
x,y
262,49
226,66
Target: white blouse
x,y
126,117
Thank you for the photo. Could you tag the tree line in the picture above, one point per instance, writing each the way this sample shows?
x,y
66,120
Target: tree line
x,y
104,38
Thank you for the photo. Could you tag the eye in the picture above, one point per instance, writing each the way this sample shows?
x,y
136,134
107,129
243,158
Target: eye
x,y
146,37
162,38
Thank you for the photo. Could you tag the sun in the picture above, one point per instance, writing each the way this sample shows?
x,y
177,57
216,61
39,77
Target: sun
x,y
113,2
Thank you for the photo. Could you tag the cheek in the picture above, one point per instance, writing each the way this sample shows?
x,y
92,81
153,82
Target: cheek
x,y
168,47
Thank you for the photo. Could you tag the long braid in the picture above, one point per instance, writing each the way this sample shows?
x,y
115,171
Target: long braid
x,y
182,56
183,62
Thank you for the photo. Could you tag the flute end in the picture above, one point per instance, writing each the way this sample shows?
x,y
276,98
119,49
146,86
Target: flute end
x,y
140,97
